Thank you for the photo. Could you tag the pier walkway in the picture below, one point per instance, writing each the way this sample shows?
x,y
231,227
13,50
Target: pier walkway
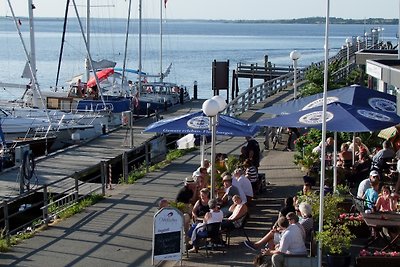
x,y
118,230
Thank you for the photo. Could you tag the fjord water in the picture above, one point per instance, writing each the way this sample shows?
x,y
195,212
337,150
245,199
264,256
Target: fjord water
x,y
190,46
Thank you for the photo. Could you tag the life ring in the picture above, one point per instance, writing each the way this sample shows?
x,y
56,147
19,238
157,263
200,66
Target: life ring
x,y
27,166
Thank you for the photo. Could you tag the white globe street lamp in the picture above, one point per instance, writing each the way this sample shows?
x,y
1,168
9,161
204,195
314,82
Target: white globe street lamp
x,y
211,108
294,55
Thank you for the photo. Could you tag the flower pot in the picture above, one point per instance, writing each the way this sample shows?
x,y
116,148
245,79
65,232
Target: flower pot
x,y
335,260
372,261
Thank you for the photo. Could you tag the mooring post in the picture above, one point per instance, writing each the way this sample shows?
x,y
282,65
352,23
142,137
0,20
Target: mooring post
x,y
45,206
6,222
103,177
195,90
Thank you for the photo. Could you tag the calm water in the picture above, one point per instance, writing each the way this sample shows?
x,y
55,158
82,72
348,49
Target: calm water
x,y
191,47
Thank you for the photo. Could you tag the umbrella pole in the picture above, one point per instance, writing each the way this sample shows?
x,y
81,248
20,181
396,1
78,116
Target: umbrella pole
x,y
202,149
335,162
354,147
322,178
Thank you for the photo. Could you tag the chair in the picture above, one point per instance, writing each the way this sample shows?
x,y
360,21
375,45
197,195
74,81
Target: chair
x,y
228,233
213,238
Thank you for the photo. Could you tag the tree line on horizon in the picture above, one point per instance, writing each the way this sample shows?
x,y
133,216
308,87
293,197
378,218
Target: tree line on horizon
x,y
321,20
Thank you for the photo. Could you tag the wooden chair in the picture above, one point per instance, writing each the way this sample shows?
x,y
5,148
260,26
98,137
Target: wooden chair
x,y
228,233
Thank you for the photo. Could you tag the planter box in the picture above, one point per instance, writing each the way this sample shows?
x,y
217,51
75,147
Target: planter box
x,y
373,261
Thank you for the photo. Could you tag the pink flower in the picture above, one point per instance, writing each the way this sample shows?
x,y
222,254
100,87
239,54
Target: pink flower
x,y
342,216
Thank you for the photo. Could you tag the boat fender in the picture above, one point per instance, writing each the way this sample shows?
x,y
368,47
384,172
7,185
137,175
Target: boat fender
x,y
28,165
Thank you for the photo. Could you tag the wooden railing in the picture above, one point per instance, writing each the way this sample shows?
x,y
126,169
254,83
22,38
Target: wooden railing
x,y
261,92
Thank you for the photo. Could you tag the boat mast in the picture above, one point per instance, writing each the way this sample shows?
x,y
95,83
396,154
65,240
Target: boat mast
x,y
126,45
87,60
139,89
32,58
161,41
88,53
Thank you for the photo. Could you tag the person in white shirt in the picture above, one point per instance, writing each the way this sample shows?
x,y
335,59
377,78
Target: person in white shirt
x,y
291,242
365,184
240,180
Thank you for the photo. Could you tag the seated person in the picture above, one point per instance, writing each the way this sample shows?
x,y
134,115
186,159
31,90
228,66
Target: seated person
x,y
226,200
345,157
289,207
358,146
306,190
240,180
239,211
198,230
382,156
201,206
306,219
272,238
187,194
385,201
361,167
371,195
291,242
366,183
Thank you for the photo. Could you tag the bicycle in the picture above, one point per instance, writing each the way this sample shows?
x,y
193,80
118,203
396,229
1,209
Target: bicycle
x,y
276,136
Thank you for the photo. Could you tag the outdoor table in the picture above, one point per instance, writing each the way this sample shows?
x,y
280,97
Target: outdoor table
x,y
379,220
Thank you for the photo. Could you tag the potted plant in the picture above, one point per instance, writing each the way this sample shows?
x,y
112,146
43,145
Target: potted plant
x,y
336,241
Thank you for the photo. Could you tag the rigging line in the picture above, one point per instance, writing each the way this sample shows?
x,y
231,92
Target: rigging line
x,y
62,43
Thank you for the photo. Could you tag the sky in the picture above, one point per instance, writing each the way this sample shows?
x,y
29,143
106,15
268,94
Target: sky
x,y
219,9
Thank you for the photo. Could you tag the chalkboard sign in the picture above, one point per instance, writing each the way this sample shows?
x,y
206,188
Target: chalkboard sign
x,y
168,234
167,243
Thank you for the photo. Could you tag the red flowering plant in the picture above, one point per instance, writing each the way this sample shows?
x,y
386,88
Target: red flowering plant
x,y
364,253
351,219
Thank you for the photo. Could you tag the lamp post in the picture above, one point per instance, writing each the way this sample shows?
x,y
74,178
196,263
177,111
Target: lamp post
x,y
294,55
373,38
358,43
366,40
348,43
211,108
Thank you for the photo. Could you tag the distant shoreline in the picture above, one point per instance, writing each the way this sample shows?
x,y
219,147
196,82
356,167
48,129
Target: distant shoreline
x,y
309,20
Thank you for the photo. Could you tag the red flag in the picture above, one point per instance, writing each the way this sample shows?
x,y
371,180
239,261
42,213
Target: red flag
x,y
165,3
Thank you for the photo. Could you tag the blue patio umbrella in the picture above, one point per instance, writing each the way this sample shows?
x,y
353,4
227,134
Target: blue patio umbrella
x,y
198,123
340,117
352,95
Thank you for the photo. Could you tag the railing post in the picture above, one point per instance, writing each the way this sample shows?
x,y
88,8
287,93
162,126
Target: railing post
x,y
45,206
6,222
76,186
146,152
109,180
102,177
125,167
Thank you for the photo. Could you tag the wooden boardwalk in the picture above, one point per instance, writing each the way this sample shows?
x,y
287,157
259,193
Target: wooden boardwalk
x,y
80,157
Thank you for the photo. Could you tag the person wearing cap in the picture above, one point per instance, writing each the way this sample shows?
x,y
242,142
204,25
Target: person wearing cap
x,y
187,194
365,184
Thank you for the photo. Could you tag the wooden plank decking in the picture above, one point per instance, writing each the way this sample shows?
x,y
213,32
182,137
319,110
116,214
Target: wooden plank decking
x,y
82,156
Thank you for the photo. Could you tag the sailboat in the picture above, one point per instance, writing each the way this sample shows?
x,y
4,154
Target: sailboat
x,y
32,123
147,97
